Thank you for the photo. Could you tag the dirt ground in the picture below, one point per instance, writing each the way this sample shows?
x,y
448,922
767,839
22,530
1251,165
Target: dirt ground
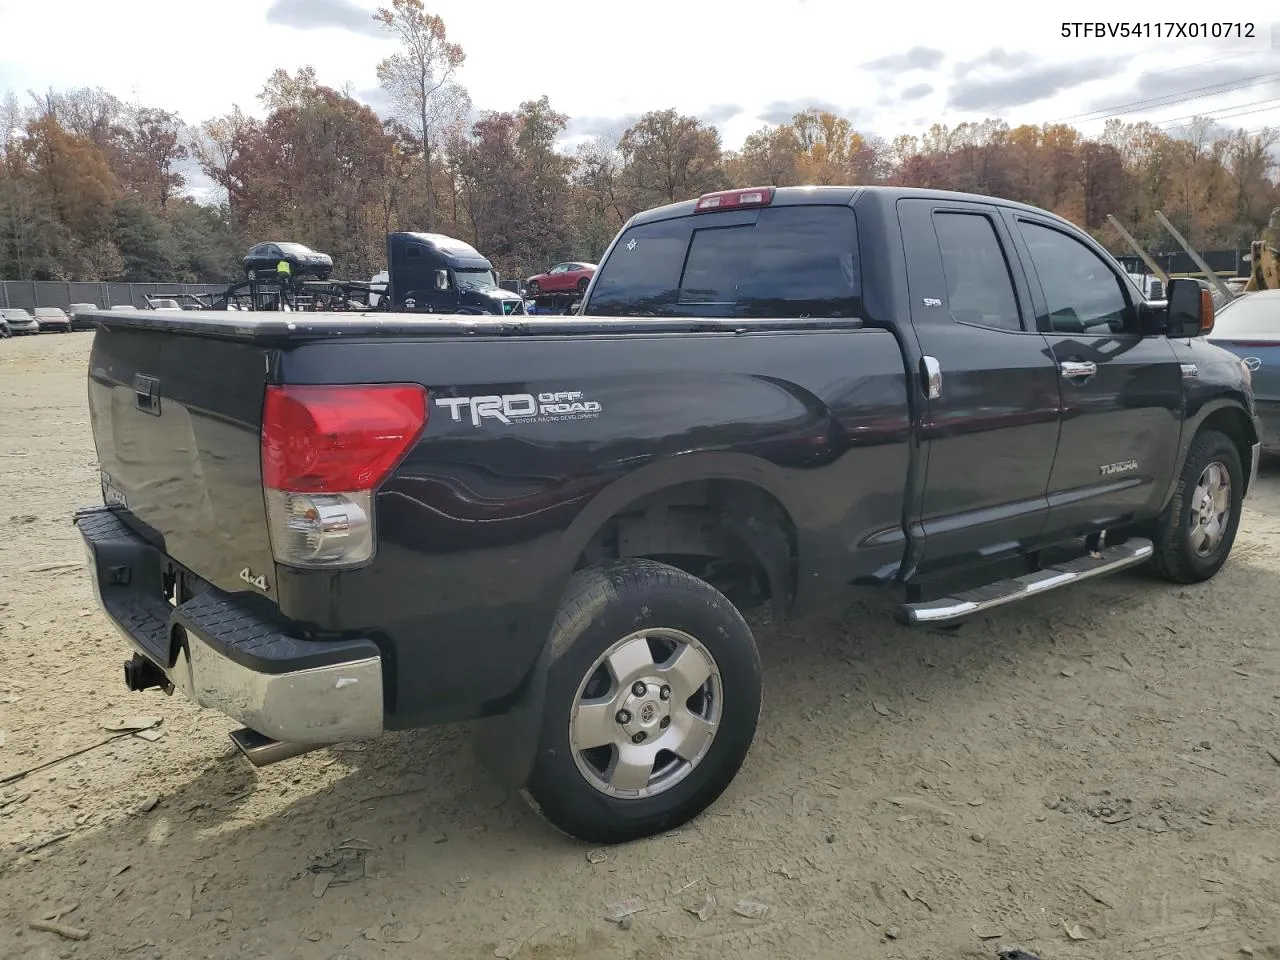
x,y
1093,773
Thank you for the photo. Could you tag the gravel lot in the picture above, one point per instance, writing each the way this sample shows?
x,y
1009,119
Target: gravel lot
x,y
1093,773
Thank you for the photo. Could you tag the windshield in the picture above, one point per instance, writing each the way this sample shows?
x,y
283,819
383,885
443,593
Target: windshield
x,y
475,279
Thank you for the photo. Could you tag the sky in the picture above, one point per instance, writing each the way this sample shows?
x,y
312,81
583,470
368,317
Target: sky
x,y
890,68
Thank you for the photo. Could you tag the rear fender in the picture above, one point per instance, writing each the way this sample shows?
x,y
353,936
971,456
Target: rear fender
x,y
506,743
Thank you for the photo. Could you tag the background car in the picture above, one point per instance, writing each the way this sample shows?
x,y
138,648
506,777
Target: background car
x,y
571,277
303,260
1249,326
21,323
78,308
53,320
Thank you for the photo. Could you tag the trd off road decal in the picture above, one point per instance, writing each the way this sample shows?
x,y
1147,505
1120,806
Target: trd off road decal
x,y
522,407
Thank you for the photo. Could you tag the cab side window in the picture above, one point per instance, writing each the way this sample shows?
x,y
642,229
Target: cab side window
x,y
979,285
1084,294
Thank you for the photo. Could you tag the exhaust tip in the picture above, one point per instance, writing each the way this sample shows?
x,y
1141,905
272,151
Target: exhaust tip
x,y
262,751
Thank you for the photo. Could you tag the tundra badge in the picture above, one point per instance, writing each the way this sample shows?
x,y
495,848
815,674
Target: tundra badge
x,y
260,581
1124,466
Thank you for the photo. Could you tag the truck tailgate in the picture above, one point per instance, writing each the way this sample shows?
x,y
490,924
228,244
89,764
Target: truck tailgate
x,y
176,422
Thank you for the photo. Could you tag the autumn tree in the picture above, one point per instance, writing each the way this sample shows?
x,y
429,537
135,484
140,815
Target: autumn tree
x,y
153,142
419,80
75,185
312,171
92,188
1251,163
516,185
769,157
598,207
831,151
90,112
669,157
218,146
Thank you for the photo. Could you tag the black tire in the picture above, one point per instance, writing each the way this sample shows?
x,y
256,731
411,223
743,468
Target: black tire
x,y
534,288
1175,559
582,286
601,606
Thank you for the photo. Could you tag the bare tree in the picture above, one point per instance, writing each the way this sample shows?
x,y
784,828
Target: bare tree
x,y
218,146
419,79
11,122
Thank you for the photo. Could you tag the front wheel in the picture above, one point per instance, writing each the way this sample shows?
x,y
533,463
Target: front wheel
x,y
652,701
1195,533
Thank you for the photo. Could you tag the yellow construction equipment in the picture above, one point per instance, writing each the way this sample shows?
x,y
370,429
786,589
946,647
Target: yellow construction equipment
x,y
1264,260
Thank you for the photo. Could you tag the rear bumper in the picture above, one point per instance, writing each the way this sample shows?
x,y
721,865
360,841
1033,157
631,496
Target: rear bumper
x,y
224,652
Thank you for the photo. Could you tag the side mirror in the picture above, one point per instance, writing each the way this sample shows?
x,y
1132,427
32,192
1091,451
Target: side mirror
x,y
442,279
1190,310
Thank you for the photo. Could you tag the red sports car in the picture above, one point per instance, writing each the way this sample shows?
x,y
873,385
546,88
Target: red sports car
x,y
570,277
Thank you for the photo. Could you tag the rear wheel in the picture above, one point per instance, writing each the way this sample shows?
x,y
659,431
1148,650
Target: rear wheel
x,y
534,288
652,701
582,286
1195,533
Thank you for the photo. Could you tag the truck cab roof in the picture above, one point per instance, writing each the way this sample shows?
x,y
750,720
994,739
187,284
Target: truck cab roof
x,y
454,252
884,195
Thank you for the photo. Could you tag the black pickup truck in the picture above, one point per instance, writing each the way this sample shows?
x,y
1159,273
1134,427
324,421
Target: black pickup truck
x,y
329,527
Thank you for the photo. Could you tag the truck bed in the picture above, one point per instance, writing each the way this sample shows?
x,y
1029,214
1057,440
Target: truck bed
x,y
485,517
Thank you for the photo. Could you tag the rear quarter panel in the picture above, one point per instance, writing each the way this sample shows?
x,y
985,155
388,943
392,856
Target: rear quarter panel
x,y
483,523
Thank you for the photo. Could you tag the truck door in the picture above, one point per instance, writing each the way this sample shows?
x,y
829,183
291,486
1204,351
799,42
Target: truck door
x,y
1121,391
990,427
413,280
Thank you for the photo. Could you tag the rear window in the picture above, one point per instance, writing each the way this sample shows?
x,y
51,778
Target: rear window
x,y
1251,315
791,262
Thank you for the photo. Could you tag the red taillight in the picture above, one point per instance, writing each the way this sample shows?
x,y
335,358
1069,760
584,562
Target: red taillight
x,y
734,199
337,438
324,450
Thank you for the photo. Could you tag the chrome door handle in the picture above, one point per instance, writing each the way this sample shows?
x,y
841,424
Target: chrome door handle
x,y
931,373
1072,369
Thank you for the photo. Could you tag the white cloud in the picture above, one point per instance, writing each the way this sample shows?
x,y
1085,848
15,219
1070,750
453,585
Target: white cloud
x,y
611,60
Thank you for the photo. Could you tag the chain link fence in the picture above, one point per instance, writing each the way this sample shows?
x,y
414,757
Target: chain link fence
x,y
30,294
